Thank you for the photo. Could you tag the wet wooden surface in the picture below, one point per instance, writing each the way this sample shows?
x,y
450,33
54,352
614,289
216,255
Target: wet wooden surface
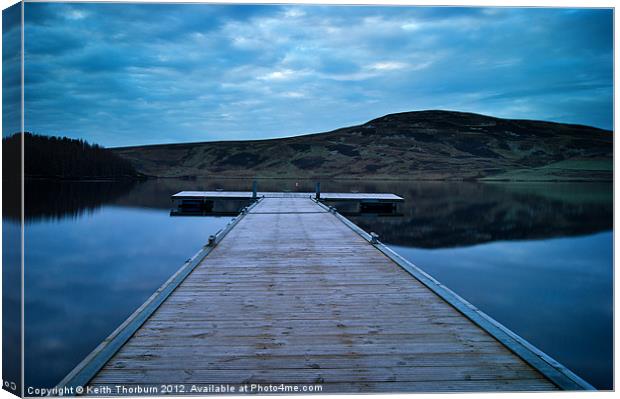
x,y
292,295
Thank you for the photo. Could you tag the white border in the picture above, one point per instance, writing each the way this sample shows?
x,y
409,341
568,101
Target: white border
x,y
483,3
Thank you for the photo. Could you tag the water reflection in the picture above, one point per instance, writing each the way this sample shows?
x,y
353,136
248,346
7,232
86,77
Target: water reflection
x,y
96,251
54,200
434,214
11,282
439,215
11,303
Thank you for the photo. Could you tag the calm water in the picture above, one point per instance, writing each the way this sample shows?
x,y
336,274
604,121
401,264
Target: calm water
x,y
538,258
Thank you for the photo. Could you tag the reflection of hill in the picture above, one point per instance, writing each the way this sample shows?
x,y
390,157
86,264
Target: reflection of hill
x,y
435,214
449,215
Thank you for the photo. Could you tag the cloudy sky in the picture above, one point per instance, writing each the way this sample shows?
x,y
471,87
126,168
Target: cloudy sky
x,y
122,74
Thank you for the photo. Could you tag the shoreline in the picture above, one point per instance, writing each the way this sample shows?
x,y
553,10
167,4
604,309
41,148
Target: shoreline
x,y
325,178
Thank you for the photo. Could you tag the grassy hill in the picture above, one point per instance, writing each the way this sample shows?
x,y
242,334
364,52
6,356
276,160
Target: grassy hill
x,y
424,145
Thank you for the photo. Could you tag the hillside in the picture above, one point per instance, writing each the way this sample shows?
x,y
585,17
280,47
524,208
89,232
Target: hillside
x,y
424,145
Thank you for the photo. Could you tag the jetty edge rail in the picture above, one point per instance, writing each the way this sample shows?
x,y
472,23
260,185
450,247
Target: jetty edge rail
x,y
559,374
88,368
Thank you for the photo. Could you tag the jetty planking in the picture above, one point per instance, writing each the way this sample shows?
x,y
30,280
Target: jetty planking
x,y
294,293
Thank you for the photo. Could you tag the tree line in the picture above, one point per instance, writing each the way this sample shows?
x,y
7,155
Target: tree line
x,y
62,158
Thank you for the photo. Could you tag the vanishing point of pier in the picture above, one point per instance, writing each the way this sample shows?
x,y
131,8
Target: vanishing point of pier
x,y
291,292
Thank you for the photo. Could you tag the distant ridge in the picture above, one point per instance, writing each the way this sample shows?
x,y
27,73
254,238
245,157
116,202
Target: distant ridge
x,y
420,145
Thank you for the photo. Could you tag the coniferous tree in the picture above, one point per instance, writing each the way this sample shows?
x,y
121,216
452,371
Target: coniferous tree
x,y
64,158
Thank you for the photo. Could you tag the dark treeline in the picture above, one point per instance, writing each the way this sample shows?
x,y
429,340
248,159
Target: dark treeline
x,y
63,158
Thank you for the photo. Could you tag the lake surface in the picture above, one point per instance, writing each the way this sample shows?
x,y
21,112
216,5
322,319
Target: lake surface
x,y
536,257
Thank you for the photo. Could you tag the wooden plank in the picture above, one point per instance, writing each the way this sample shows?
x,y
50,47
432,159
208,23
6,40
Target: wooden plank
x,y
320,361
227,325
325,330
308,376
293,295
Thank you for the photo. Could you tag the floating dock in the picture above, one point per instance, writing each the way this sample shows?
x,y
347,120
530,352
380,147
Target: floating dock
x,y
291,292
230,202
248,195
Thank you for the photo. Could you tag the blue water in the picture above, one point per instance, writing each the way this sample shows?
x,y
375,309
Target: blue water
x,y
555,293
11,304
86,275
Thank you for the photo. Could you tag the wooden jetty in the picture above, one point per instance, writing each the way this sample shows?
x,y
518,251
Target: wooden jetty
x,y
293,293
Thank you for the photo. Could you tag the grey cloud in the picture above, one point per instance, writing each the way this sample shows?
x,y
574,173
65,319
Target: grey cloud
x,y
123,74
